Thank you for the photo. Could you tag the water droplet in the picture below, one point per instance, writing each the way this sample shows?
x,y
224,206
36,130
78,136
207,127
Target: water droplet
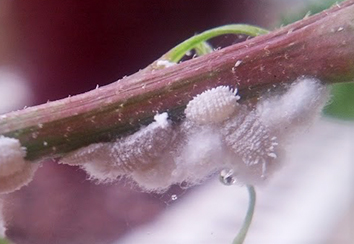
x,y
174,197
227,177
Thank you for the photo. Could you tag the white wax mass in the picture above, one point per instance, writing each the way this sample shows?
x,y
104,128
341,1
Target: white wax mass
x,y
200,155
212,106
11,156
218,133
164,63
299,106
194,155
158,177
15,172
254,138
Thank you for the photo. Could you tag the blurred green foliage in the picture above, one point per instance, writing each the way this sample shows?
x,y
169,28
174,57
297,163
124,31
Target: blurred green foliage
x,y
342,101
313,7
3,241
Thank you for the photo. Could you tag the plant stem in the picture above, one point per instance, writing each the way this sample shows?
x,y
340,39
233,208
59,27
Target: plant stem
x,y
320,46
239,239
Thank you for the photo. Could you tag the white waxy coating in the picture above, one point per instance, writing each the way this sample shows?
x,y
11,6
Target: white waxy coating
x,y
299,106
15,172
162,63
212,106
218,133
19,179
11,156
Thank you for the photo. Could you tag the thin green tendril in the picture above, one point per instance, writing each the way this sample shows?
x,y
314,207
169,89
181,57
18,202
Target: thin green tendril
x,y
203,48
239,239
198,41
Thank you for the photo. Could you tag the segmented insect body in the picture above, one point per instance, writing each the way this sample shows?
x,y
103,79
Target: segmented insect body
x,y
97,160
107,161
144,147
96,152
247,137
212,106
240,128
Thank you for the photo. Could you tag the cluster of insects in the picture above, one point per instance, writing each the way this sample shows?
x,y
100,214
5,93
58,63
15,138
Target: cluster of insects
x,y
218,134
245,143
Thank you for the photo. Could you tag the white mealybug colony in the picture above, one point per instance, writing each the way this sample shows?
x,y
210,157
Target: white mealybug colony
x,y
15,172
243,142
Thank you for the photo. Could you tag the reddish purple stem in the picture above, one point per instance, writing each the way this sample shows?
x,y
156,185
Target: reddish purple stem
x,y
320,46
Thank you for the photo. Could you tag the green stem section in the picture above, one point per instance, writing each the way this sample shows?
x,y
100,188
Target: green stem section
x,y
239,239
176,53
203,48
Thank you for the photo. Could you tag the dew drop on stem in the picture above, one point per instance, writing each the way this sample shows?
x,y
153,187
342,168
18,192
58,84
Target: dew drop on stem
x,y
227,177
